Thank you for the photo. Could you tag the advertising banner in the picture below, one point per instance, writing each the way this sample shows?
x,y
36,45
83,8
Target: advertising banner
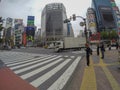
x,y
95,37
30,21
30,31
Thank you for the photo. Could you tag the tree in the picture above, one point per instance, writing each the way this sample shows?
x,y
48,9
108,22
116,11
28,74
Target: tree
x,y
113,34
109,34
104,35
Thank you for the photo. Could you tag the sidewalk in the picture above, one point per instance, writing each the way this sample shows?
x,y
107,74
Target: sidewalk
x,y
102,74
10,81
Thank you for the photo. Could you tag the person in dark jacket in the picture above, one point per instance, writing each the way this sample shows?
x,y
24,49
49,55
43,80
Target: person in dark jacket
x,y
110,46
88,53
98,49
102,50
117,45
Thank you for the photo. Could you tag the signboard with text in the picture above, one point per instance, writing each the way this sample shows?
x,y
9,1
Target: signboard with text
x,y
95,37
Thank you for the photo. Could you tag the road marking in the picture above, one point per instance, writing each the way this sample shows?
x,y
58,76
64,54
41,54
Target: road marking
x,y
79,52
59,84
25,76
43,78
28,70
89,78
23,59
33,61
33,66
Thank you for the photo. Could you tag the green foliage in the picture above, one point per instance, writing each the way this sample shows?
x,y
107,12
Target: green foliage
x,y
109,35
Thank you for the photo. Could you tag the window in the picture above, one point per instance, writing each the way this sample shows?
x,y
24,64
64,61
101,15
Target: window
x,y
108,17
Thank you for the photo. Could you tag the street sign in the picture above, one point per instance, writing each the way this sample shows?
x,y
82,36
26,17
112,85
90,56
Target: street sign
x,y
82,23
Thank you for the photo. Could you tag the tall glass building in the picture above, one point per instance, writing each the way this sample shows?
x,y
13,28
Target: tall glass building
x,y
105,15
52,22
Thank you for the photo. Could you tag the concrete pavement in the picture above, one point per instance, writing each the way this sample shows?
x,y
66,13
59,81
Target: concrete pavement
x,y
102,74
91,79
10,81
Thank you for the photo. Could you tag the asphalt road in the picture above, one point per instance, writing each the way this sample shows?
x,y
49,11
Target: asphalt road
x,y
102,74
50,51
43,68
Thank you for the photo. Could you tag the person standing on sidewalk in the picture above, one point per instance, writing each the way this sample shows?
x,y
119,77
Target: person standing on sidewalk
x,y
109,46
117,45
102,50
98,49
88,53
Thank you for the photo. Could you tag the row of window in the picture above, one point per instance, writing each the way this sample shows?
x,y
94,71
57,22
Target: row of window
x,y
52,39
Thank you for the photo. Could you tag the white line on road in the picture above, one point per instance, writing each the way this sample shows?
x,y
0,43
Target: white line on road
x,y
32,73
33,66
43,78
62,80
38,59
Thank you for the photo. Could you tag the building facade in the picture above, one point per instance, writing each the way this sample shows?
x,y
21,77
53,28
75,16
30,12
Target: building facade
x,y
52,22
18,30
105,15
30,30
9,32
117,15
91,20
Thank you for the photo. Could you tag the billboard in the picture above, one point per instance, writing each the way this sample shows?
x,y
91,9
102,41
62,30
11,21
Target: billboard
x,y
107,17
91,20
104,14
30,21
30,31
117,15
95,38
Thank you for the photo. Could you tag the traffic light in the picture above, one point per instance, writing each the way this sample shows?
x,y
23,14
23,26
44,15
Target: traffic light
x,y
74,17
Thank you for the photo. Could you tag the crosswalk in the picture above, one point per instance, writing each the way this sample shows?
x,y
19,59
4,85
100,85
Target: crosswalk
x,y
43,71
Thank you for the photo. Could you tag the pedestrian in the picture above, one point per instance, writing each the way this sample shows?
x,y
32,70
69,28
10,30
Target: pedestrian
x,y
88,53
117,45
109,46
102,50
98,49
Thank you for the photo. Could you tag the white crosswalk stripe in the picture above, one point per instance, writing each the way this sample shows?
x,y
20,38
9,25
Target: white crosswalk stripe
x,y
41,69
33,61
79,52
25,76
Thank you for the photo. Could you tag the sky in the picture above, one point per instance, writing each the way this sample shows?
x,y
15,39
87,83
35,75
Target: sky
x,y
23,8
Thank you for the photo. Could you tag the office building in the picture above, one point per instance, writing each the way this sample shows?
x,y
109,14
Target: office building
x,y
105,15
18,30
52,23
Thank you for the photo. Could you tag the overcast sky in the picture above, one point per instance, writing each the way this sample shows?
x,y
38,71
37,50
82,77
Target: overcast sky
x,y
23,8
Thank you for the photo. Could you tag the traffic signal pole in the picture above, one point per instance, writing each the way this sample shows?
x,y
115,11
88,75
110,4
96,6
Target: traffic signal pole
x,y
83,24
